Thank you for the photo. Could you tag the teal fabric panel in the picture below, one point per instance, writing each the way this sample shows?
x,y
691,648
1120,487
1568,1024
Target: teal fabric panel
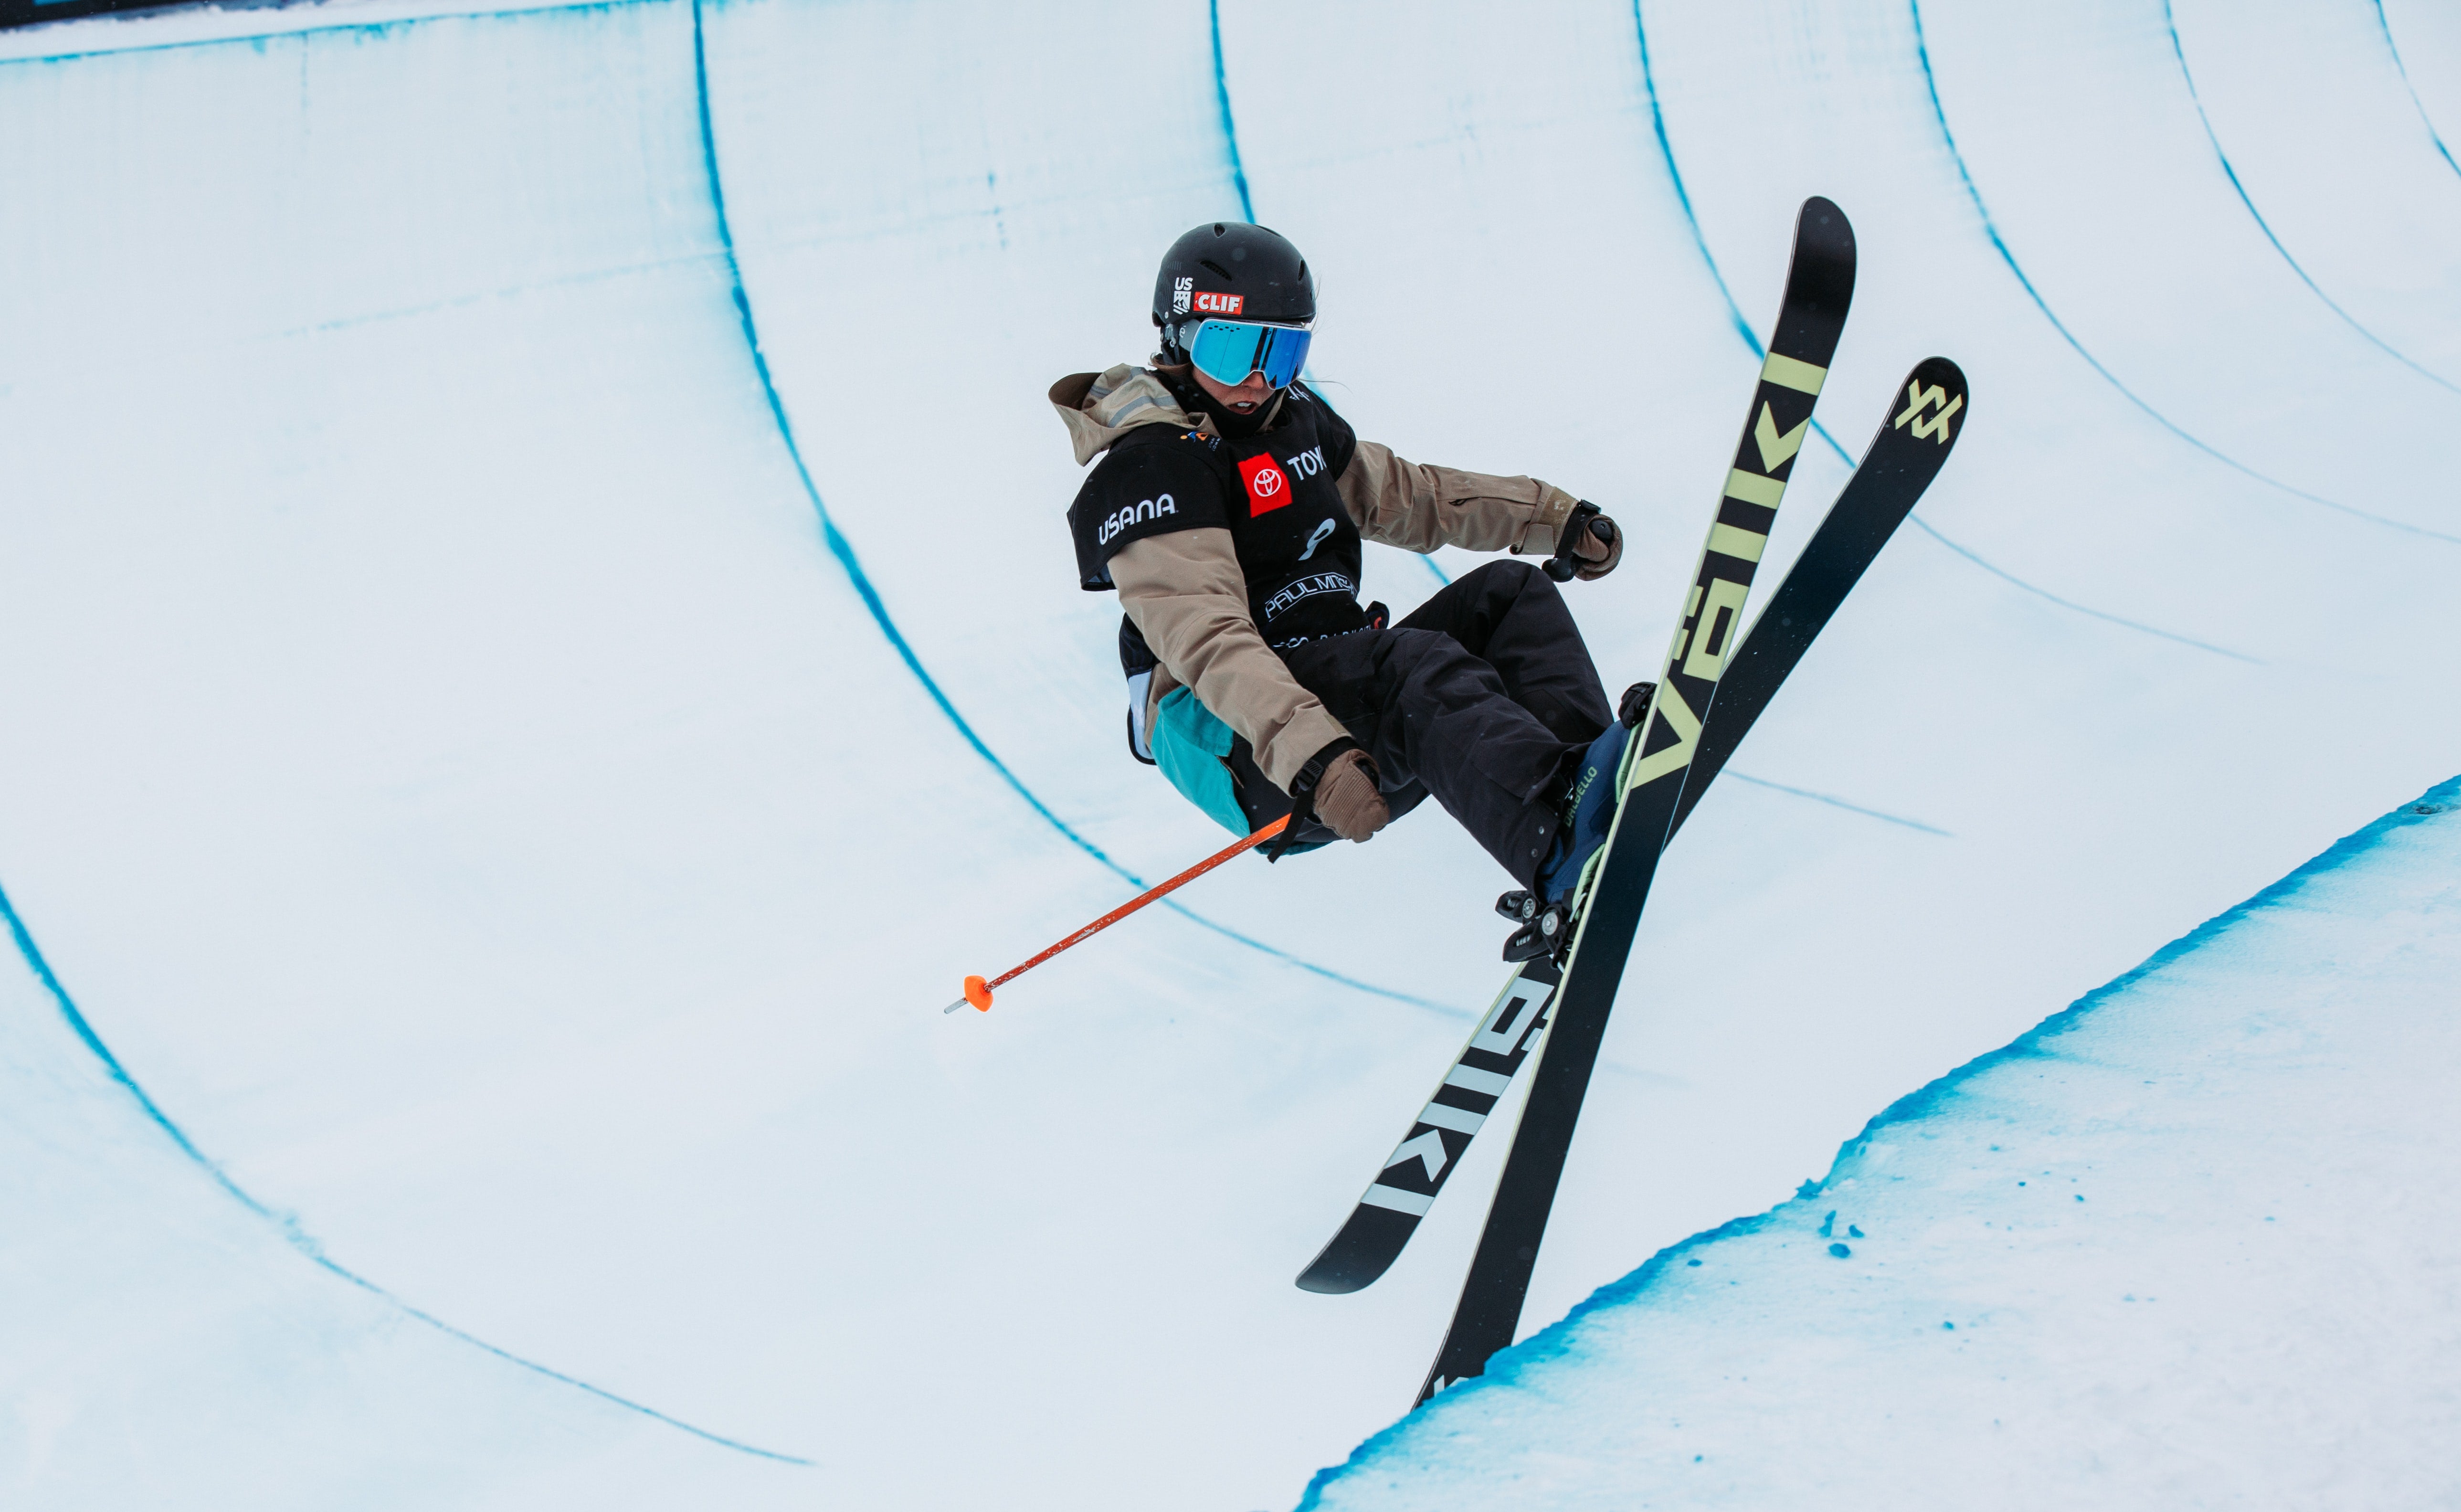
x,y
1189,744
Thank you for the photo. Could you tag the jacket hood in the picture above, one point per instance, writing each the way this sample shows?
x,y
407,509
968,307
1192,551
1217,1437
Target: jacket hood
x,y
1098,408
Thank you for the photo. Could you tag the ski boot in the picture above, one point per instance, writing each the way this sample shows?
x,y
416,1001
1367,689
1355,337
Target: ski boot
x,y
1547,910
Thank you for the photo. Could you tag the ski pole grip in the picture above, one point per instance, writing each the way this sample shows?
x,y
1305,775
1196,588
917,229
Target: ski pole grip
x,y
1585,520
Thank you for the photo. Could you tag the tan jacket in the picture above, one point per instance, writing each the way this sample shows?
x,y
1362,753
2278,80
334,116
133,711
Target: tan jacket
x,y
1188,598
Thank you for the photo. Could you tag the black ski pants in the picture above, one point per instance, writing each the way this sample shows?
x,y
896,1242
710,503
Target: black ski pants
x,y
1482,696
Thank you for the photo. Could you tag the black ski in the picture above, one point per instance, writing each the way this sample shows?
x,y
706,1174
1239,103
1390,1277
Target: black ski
x,y
1905,455
1819,287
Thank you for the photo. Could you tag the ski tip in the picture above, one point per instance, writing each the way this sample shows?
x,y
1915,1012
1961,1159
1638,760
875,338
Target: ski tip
x,y
976,994
1822,219
1939,369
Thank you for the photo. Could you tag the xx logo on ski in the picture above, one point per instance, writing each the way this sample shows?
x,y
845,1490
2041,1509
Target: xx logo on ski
x,y
1921,396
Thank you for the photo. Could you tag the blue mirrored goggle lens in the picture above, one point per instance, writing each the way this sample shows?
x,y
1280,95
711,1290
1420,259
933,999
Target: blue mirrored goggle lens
x,y
1227,351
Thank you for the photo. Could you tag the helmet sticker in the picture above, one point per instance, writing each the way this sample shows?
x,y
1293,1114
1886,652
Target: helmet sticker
x,y
1180,291
1220,303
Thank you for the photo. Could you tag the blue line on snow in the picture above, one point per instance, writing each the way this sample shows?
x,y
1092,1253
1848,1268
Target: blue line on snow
x,y
1229,132
1991,228
1691,219
1240,180
290,1229
2403,68
1839,803
839,547
1925,527
1752,340
2040,1044
2180,52
843,551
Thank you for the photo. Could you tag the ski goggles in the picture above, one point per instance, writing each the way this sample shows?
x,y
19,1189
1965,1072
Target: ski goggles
x,y
1227,351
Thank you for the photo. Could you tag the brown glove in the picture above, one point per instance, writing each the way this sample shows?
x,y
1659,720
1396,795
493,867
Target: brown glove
x,y
1346,798
1598,557
1589,546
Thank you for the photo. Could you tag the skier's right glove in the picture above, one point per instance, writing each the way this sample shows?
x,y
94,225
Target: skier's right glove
x,y
1345,796
1591,546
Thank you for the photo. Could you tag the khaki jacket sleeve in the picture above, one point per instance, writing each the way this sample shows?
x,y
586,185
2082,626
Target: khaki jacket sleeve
x,y
1419,508
1190,601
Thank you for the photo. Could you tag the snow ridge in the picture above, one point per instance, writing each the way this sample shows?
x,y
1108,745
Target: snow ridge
x,y
2154,1247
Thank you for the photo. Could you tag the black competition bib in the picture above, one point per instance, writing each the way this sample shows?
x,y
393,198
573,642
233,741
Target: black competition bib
x,y
1273,491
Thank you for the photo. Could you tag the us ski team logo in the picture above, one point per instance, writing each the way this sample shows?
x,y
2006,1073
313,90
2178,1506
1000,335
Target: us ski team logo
x,y
1180,289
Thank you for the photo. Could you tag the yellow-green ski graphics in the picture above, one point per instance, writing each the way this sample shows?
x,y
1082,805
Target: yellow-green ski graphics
x,y
1915,433
1713,619
1819,287
1895,469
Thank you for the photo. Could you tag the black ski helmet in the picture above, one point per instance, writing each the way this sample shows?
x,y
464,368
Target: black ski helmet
x,y
1231,268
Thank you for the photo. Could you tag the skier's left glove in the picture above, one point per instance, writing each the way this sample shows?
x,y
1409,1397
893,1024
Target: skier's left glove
x,y
1591,546
1339,788
1347,799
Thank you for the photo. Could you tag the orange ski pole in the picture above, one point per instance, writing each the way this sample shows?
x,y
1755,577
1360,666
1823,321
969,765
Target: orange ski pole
x,y
980,992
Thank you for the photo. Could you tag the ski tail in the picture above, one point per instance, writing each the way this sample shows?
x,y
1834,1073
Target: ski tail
x,y
1473,1088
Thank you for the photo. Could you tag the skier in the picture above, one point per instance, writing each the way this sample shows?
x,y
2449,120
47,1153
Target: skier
x,y
1227,510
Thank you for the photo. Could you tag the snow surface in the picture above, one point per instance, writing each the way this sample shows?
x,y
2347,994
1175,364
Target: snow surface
x,y
2185,1244
541,648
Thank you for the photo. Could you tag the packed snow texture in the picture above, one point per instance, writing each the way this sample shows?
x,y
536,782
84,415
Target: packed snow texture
x,y
541,647
2185,1244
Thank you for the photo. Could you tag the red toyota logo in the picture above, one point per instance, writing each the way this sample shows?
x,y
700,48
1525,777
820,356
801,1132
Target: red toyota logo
x,y
1267,489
